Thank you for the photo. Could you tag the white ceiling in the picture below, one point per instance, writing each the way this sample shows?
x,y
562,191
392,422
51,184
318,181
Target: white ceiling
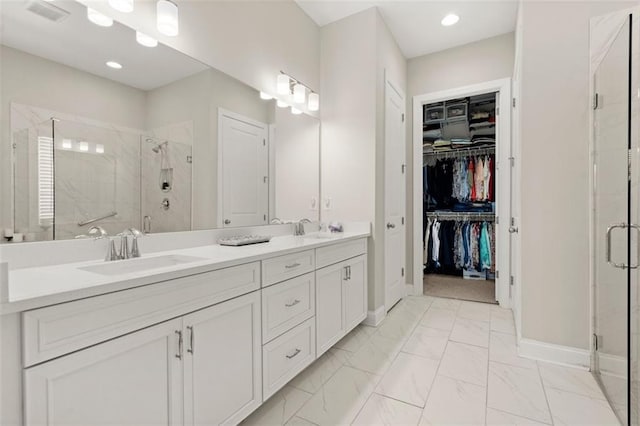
x,y
416,24
80,44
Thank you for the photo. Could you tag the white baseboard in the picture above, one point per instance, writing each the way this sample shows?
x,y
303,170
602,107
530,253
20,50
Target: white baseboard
x,y
374,318
612,365
557,354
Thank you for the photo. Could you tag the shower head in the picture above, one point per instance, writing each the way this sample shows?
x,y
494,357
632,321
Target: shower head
x,y
158,147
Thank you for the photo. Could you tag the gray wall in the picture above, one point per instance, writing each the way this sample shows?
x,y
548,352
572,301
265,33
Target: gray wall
x,y
555,111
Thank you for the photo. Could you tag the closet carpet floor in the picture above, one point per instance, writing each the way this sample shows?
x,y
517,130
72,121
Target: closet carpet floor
x,y
436,361
458,288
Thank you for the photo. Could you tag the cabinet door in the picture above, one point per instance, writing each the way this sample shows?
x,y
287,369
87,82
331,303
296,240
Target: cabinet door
x,y
329,306
132,380
223,367
355,292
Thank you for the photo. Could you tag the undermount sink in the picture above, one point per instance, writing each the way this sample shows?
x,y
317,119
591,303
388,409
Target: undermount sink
x,y
140,264
322,236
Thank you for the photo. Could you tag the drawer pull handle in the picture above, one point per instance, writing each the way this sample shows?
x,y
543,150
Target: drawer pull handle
x,y
294,303
294,354
179,354
293,265
191,337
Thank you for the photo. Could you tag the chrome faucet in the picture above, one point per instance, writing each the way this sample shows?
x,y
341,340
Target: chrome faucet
x,y
298,228
135,251
112,252
125,253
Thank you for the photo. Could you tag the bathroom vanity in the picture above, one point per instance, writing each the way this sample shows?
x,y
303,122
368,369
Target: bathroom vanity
x,y
200,335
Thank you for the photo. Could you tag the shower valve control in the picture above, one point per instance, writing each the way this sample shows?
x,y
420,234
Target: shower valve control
x,y
165,204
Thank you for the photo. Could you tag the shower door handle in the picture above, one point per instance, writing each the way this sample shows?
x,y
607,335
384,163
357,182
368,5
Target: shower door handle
x,y
608,245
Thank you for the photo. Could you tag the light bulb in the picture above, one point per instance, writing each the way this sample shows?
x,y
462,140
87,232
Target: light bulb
x,y
283,84
265,96
282,104
125,6
83,146
98,18
167,20
99,148
450,19
299,93
67,144
145,40
114,65
314,102
295,111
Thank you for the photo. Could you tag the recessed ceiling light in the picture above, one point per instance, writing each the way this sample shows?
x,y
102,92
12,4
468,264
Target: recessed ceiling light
x,y
145,40
450,19
98,18
114,65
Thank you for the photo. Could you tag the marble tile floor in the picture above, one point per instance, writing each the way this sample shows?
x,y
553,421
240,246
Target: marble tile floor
x,y
436,362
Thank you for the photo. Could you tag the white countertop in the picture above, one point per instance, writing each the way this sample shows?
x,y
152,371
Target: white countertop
x,y
35,287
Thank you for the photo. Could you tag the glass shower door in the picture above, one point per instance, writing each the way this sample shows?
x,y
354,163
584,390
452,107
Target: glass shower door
x,y
614,256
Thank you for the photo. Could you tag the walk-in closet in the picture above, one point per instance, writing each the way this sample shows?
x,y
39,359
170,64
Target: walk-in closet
x,y
459,198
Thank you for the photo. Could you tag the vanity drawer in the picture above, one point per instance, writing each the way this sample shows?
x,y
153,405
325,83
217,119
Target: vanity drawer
x,y
286,305
288,266
60,329
286,356
339,252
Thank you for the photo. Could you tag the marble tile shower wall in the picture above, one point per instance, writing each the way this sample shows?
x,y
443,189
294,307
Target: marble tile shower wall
x,y
115,171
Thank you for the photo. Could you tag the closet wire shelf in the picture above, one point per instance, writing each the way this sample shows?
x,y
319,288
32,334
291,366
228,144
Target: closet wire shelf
x,y
459,216
460,152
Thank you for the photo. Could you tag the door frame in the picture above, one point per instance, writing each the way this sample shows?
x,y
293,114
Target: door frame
x,y
220,186
503,87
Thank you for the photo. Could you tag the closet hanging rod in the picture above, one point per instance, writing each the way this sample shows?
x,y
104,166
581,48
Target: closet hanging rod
x,y
459,216
460,152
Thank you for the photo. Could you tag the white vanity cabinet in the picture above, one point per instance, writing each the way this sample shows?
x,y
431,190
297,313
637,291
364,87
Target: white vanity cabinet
x,y
210,359
132,380
341,295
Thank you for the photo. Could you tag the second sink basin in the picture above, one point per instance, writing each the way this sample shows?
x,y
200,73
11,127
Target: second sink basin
x,y
140,264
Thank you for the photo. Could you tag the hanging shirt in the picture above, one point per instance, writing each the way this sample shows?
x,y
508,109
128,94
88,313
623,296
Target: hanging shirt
x,y
475,249
485,248
492,172
478,179
470,180
487,176
425,257
435,236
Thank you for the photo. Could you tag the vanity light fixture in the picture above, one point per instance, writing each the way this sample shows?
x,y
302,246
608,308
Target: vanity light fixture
x,y
125,6
98,18
99,148
282,104
449,20
145,40
295,111
265,96
114,65
67,144
314,102
83,146
283,84
167,18
299,93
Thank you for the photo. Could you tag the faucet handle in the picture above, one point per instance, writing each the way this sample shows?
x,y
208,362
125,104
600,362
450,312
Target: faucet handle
x,y
135,251
98,230
112,252
124,245
135,232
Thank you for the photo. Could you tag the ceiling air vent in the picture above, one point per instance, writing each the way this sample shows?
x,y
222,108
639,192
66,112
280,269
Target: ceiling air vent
x,y
47,10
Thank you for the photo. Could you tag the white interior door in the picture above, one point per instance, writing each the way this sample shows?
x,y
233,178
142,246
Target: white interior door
x,y
243,162
395,195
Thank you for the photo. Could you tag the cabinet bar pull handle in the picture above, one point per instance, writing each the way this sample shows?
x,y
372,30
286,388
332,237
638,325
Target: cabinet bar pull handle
x,y
349,272
293,265
191,333
294,354
294,303
179,354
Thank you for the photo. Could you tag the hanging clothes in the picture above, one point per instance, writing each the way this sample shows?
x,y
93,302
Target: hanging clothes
x,y
484,248
478,179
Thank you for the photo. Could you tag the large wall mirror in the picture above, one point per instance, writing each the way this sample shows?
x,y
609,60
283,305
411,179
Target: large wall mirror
x,y
106,128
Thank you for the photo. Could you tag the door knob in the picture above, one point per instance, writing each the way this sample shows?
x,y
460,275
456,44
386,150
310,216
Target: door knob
x,y
390,225
227,222
513,230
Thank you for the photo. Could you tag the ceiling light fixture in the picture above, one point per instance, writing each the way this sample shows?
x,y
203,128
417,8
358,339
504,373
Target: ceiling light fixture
x,y
282,104
450,19
114,65
265,96
314,102
125,6
98,18
295,111
145,40
167,19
